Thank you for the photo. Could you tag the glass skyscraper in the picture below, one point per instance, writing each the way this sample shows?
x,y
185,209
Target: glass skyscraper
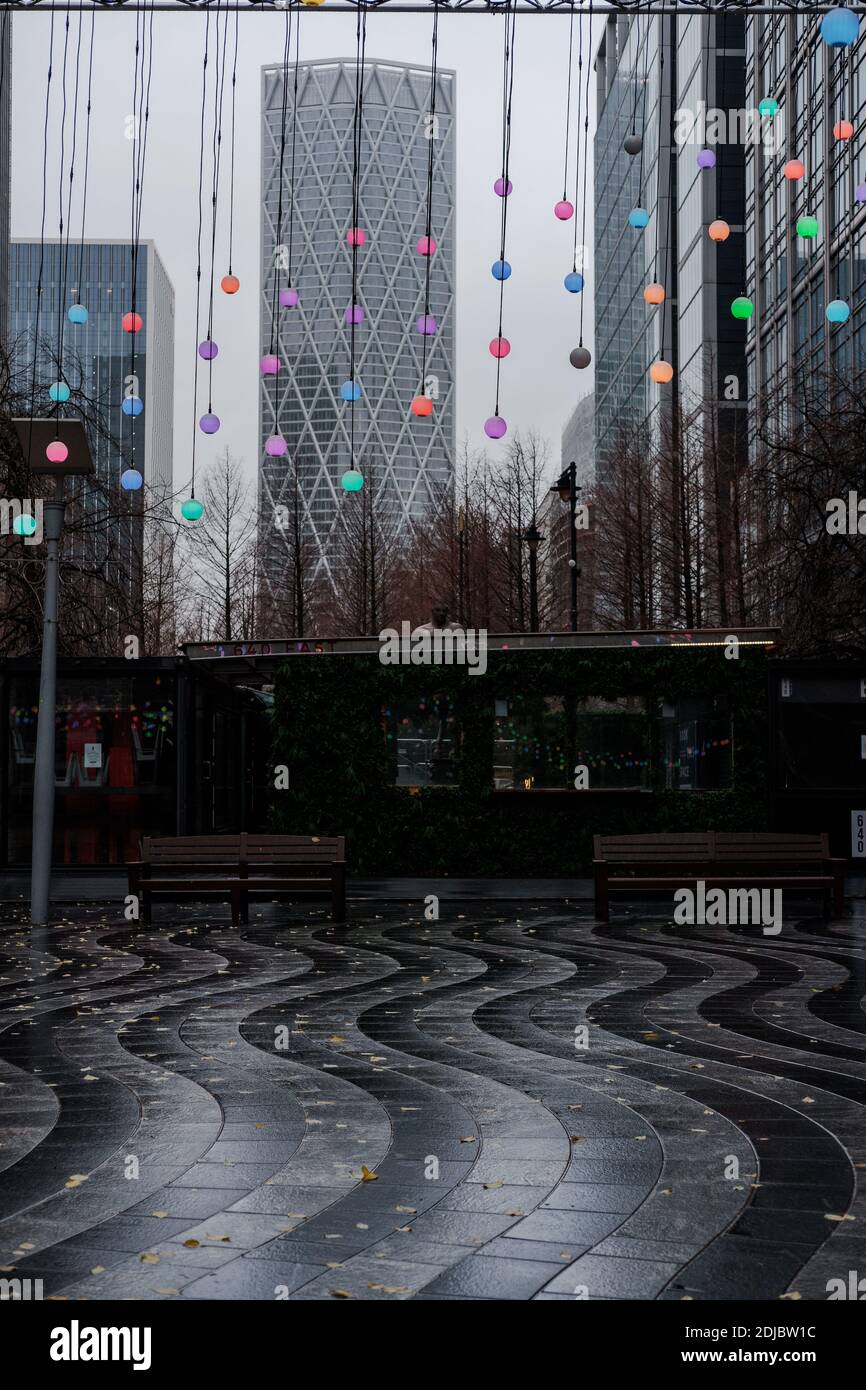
x,y
5,165
407,461
664,77
97,364
791,278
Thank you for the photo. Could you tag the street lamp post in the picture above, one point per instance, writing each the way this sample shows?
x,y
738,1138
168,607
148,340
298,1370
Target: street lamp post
x,y
566,488
35,437
532,536
461,567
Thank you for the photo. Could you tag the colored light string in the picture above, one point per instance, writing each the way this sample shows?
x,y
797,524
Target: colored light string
x,y
496,427
423,404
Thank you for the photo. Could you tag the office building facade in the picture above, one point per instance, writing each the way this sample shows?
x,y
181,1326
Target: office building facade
x,y
94,360
407,461
793,279
679,82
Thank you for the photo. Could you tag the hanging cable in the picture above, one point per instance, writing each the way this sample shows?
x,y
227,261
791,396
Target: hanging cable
x,y
422,399
496,427
192,496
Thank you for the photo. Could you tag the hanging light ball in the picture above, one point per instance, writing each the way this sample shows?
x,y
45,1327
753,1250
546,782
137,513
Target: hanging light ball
x,y
270,364
499,347
719,230
76,313
661,372
353,314
57,451
495,427
352,480
573,282
426,245
807,227
563,210
500,270
209,424
794,169
502,188
422,405
276,446
632,144
289,298
24,525
208,350
742,307
131,323
837,311
843,130
59,392
191,509
860,193
355,236
131,480
839,28
706,159
654,293
230,284
580,357
768,106
132,405
350,391
638,217
426,325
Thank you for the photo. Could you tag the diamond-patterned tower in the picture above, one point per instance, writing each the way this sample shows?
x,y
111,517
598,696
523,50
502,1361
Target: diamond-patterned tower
x,y
410,460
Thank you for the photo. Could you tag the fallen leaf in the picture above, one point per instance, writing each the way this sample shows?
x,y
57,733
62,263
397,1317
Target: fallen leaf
x,y
150,1259
98,1269
160,1214
191,1244
339,1293
367,1175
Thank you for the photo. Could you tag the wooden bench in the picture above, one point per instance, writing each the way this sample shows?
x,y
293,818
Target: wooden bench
x,y
722,859
236,866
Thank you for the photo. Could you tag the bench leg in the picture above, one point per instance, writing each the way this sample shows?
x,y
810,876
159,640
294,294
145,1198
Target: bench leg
x,y
338,893
602,901
245,907
235,895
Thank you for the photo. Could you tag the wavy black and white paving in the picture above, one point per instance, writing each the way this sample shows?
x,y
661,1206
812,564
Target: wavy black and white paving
x,y
512,1102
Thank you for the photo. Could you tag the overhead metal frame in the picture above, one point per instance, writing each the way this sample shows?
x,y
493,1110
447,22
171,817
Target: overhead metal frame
x,y
563,7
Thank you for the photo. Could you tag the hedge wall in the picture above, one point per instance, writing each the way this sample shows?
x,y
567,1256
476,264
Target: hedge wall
x,y
327,727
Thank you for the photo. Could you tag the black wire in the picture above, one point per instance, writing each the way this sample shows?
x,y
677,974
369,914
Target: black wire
x,y
294,145
429,221
219,89
585,182
141,117
507,93
60,286
279,231
86,155
41,234
568,102
360,57
65,249
579,131
198,265
232,189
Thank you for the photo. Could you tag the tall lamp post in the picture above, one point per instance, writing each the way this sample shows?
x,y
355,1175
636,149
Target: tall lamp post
x,y
566,488
461,566
56,450
532,536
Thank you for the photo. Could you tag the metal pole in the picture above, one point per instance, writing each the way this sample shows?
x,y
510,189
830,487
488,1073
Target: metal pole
x,y
43,767
572,498
533,590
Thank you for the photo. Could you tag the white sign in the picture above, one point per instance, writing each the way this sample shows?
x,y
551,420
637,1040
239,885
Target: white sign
x,y
858,834
93,755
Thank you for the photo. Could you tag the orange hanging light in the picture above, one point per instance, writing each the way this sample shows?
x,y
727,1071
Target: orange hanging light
x,y
654,293
661,372
719,230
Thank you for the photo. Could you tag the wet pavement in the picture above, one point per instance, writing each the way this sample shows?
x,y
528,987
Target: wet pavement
x,y
510,1103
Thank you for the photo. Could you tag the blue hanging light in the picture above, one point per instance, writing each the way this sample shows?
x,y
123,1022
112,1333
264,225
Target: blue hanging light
x,y
638,217
573,282
500,270
839,28
352,480
76,313
132,405
59,392
350,391
131,480
838,311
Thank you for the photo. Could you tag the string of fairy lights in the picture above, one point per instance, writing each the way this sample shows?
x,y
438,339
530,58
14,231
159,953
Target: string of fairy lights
x,y
839,29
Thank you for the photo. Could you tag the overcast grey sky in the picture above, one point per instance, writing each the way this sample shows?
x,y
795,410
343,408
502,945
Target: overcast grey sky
x,y
539,386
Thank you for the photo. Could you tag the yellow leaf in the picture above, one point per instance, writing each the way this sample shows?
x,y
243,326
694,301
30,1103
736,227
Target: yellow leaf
x,y
191,1244
340,1293
160,1214
367,1175
468,1139
98,1269
149,1259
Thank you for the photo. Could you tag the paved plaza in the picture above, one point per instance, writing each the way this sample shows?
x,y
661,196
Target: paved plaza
x,y
511,1102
